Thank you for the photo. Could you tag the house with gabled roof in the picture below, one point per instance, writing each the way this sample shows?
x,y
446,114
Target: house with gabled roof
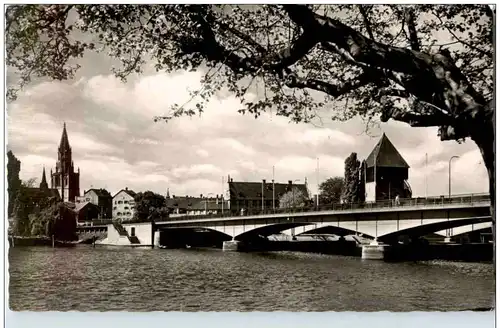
x,y
253,196
188,205
124,205
101,198
386,173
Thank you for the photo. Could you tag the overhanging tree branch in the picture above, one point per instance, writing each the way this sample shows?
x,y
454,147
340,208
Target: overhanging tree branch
x,y
293,81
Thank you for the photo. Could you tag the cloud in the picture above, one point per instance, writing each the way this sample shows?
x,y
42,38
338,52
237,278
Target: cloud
x,y
116,144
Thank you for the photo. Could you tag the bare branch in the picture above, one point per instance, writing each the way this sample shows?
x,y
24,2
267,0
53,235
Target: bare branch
x,y
243,37
333,90
412,29
366,21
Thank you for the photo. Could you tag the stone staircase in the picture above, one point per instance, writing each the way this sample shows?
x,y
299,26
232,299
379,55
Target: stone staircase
x,y
123,232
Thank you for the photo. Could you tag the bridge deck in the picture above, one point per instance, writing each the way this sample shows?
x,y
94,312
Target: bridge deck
x,y
464,202
405,205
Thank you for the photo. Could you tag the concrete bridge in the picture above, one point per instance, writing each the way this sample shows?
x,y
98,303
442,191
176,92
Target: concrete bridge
x,y
382,222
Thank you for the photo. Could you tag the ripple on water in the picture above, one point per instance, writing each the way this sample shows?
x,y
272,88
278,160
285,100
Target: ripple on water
x,y
120,279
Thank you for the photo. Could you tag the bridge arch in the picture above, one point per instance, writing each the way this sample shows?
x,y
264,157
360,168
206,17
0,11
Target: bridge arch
x,y
329,228
462,230
268,230
193,236
431,227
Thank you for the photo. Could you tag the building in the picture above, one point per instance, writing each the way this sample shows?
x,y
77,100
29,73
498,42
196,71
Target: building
x,y
386,173
124,205
255,196
86,212
37,196
101,198
65,179
187,205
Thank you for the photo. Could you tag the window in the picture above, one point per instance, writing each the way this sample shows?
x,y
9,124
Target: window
x,y
114,208
120,202
125,202
125,208
119,213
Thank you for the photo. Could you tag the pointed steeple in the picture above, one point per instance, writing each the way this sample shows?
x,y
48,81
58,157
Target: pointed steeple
x,y
168,192
385,155
64,144
43,184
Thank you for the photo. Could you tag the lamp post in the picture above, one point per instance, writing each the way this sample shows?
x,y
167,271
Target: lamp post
x,y
274,201
317,182
449,175
449,189
293,207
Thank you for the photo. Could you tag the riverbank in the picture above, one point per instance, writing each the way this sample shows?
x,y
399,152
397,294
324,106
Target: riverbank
x,y
21,241
18,241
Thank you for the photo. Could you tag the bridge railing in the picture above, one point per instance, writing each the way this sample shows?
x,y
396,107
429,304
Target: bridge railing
x,y
404,202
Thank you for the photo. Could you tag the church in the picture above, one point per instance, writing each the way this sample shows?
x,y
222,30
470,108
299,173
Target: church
x,y
65,180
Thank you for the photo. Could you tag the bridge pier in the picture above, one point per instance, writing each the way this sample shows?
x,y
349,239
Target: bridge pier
x,y
232,245
374,251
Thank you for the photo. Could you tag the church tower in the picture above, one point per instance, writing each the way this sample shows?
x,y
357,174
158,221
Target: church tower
x,y
43,184
65,179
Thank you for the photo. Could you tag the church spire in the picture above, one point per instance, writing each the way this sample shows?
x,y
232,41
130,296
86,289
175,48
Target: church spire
x,y
64,145
43,184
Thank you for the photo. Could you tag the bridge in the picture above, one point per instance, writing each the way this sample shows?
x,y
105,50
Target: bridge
x,y
383,222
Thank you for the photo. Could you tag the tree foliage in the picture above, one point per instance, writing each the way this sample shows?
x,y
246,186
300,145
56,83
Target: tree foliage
x,y
13,180
294,198
330,190
425,65
362,186
53,218
352,183
437,58
149,206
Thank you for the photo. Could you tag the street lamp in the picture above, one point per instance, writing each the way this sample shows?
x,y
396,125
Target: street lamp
x,y
449,175
293,204
317,182
449,231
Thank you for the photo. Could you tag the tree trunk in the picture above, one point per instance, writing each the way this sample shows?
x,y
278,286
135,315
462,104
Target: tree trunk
x,y
485,140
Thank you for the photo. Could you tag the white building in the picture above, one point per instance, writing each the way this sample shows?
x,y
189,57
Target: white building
x,y
124,205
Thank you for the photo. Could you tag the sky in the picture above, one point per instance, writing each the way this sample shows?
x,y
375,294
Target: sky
x,y
116,143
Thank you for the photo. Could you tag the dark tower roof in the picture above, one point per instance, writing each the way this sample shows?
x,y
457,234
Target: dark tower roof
x,y
64,144
386,155
43,184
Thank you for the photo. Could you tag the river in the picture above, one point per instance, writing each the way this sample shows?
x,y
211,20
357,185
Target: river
x,y
124,279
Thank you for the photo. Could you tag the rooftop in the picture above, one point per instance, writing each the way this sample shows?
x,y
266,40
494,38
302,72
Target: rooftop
x,y
385,155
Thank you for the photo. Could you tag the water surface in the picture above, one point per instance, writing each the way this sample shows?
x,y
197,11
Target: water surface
x,y
123,279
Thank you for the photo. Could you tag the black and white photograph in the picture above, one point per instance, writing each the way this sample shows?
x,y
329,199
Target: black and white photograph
x,y
250,157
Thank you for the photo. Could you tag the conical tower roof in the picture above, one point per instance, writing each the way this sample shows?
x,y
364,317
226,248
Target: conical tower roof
x,y
64,144
385,155
43,184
